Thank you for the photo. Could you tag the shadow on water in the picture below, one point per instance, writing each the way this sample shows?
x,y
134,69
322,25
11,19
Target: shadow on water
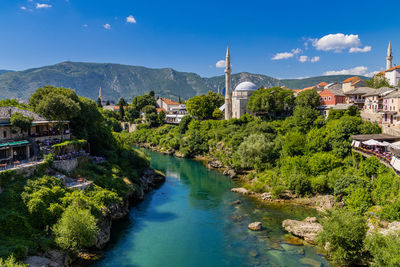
x,y
190,221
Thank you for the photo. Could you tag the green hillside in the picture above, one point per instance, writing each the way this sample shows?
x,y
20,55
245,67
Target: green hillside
x,y
118,80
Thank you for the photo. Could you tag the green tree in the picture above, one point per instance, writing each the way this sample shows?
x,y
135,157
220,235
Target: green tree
x,y
76,229
131,114
161,118
308,99
139,102
384,249
20,121
203,106
11,262
377,81
343,234
217,114
255,151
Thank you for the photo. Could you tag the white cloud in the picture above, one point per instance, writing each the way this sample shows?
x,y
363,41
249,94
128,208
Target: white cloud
x,y
220,64
360,50
107,26
315,59
38,5
337,42
360,70
303,59
23,7
296,51
284,55
85,25
130,19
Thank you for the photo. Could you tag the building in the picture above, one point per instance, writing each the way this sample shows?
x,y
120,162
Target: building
x,y
167,104
357,96
391,108
332,98
392,73
352,83
236,102
374,99
17,145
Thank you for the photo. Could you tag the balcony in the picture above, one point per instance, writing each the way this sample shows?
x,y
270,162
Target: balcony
x,y
50,135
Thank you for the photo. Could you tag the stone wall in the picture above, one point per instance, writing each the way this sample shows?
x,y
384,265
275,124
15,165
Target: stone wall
x,y
65,165
392,130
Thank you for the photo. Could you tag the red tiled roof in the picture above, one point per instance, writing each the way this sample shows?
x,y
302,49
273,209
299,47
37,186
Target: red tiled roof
x,y
352,79
296,90
308,88
160,109
392,68
323,84
169,101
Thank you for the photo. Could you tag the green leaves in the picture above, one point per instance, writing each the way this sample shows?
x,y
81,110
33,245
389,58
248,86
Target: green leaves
x,y
203,106
19,120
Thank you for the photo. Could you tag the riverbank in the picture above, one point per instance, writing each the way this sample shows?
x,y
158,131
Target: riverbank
x,y
149,180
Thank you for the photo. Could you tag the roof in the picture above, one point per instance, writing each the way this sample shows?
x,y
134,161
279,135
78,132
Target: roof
x,y
378,137
394,94
336,91
6,112
322,84
342,106
160,109
352,79
392,68
308,88
169,101
383,91
246,86
361,91
296,90
17,143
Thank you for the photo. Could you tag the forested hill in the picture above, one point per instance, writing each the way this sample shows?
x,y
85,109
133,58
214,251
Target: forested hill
x,y
118,80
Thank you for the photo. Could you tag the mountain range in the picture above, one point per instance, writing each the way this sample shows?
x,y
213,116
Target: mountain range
x,y
126,81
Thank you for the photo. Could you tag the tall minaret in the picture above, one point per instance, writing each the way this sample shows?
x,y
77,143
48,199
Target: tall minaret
x,y
389,57
228,93
100,95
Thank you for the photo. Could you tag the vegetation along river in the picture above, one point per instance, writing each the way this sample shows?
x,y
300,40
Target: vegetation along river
x,y
191,221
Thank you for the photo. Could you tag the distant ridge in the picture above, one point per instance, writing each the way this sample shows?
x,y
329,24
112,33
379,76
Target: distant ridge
x,y
5,71
126,81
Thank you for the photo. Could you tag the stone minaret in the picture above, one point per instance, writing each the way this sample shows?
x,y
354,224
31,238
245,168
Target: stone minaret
x,y
228,93
389,57
100,95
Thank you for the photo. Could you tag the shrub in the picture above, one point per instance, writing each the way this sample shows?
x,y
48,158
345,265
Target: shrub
x,y
359,200
391,211
300,184
76,229
345,232
11,262
384,249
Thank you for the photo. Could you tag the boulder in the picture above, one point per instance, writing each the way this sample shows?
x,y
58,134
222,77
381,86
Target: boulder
x,y
266,196
255,226
216,164
307,229
236,202
324,203
231,173
240,190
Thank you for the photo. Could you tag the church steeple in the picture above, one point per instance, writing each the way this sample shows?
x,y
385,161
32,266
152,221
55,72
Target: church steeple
x,y
228,92
389,57
100,95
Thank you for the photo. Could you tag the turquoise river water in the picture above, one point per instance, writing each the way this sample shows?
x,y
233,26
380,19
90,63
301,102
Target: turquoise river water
x,y
190,221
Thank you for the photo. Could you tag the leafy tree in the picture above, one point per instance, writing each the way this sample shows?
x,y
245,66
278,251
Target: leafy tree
x,y
131,114
56,106
139,102
384,249
293,144
76,229
305,117
377,81
122,102
161,117
11,262
255,151
271,103
22,122
343,234
183,125
217,114
152,93
107,102
121,111
308,99
203,106
13,103
359,200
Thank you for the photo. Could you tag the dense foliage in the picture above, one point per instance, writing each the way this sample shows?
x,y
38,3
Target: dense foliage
x,y
203,106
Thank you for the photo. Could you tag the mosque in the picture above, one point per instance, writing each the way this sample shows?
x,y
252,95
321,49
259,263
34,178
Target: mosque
x,y
236,101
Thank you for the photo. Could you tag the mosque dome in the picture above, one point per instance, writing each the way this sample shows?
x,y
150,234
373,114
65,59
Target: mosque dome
x,y
246,86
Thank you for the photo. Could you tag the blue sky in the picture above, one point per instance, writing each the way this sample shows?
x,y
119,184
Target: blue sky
x,y
282,39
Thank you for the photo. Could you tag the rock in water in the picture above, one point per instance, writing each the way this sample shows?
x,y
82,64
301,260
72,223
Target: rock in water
x,y
307,229
236,202
255,226
240,190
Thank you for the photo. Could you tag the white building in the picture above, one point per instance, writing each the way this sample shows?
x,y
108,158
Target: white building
x,y
240,98
392,73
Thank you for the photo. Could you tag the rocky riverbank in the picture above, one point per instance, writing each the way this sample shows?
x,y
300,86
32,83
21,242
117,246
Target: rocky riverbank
x,y
149,180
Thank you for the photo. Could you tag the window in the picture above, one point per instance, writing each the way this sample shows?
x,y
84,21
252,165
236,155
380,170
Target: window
x,y
5,134
329,98
325,98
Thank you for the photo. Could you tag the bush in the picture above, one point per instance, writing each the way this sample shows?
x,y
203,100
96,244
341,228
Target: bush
x,y
300,184
384,249
359,200
11,262
345,232
391,211
76,229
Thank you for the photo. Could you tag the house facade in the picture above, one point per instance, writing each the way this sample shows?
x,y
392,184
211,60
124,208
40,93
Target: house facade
x,y
19,145
391,108
357,96
174,111
167,104
352,83
331,98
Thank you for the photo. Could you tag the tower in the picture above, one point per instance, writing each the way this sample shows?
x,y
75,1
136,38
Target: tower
x,y
100,96
389,57
228,92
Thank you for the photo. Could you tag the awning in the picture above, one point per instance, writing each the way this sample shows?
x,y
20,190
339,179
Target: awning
x,y
12,144
372,142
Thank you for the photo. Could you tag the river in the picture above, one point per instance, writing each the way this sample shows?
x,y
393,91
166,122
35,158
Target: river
x,y
190,221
